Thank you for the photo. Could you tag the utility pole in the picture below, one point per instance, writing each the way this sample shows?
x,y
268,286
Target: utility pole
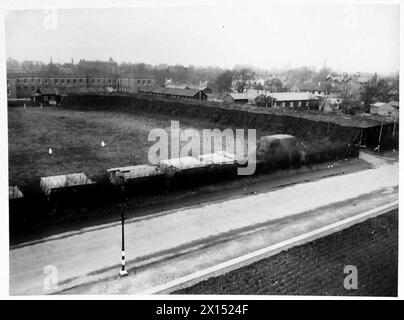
x,y
394,126
380,138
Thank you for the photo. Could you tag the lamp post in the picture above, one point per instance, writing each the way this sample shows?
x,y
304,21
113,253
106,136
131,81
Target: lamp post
x,y
123,271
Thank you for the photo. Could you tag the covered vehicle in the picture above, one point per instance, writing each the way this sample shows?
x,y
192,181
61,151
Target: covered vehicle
x,y
280,148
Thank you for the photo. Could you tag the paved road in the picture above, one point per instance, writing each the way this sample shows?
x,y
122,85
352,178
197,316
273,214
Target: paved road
x,y
204,194
78,255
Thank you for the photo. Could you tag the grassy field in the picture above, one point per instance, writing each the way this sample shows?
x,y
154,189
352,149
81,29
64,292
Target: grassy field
x,y
75,138
317,267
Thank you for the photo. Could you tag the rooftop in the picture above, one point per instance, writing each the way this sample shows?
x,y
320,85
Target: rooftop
x,y
63,181
292,96
135,172
249,95
77,74
183,163
173,91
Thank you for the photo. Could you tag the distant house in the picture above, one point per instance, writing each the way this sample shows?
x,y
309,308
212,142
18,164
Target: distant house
x,y
236,98
207,90
242,98
389,109
176,93
339,79
298,100
331,104
48,96
53,96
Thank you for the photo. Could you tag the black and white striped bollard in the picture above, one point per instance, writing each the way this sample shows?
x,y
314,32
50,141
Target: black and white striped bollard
x,y
123,271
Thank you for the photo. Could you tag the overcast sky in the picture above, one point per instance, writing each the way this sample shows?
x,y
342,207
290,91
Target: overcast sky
x,y
350,38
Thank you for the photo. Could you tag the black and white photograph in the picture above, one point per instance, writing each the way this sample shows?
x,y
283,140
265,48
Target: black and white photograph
x,y
200,149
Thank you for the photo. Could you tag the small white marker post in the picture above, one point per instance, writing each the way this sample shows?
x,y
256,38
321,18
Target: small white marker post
x,y
123,271
25,106
50,150
102,144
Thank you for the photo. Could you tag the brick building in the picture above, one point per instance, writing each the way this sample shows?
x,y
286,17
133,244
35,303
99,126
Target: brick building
x,y
24,85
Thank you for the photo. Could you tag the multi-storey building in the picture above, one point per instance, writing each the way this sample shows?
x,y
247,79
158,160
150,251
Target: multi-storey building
x,y
132,84
24,86
11,88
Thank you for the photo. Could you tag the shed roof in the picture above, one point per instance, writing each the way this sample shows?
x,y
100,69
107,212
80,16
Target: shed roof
x,y
135,172
214,158
220,157
249,95
183,163
183,92
62,181
187,86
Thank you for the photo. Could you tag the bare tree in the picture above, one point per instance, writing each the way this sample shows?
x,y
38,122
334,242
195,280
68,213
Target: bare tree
x,y
242,79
